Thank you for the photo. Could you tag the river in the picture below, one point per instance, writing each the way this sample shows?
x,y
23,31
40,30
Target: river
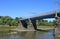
x,y
27,35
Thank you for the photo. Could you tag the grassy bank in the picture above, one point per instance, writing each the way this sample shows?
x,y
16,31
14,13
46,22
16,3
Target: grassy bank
x,y
5,28
45,27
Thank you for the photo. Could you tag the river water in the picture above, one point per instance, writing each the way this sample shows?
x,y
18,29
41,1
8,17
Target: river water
x,y
27,35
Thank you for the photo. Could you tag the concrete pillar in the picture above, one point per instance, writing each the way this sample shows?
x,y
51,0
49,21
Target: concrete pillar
x,y
22,25
57,27
32,25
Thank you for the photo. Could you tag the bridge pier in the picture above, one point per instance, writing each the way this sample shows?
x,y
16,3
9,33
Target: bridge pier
x,y
32,25
57,27
22,25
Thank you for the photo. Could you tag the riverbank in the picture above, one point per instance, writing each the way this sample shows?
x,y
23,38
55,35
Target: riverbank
x,y
45,27
14,28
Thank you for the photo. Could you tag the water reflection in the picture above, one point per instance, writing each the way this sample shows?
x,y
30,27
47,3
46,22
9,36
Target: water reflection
x,y
57,37
28,35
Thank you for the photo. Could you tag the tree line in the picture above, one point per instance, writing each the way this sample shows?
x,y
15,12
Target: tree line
x,y
45,23
7,20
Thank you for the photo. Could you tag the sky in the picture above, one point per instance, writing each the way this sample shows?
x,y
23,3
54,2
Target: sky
x,y
26,8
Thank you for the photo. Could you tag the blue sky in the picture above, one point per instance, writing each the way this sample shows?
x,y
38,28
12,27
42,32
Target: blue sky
x,y
26,8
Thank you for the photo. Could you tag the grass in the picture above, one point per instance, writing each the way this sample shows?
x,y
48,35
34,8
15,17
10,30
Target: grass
x,y
45,27
6,28
19,28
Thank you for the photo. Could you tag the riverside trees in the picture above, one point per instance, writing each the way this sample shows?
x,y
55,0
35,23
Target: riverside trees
x,y
45,23
7,20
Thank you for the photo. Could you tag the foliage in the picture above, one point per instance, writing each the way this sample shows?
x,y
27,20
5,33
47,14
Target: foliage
x,y
7,20
45,23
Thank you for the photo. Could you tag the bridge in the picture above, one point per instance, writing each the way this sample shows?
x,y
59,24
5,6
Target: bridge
x,y
32,20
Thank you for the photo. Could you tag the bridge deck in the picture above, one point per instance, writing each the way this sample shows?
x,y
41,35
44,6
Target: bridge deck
x,y
44,16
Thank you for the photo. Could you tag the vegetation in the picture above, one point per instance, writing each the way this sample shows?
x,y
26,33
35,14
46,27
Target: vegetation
x,y
45,23
7,20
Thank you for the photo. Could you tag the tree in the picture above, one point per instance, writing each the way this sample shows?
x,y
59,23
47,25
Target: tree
x,y
45,23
